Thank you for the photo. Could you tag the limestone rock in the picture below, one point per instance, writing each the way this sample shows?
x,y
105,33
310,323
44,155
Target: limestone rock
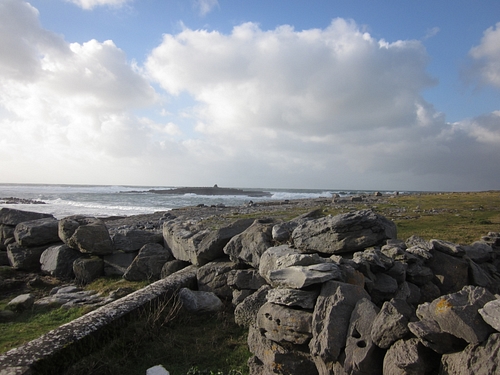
x,y
148,263
302,276
21,302
430,334
173,266
199,302
198,245
88,269
280,323
447,247
245,313
248,246
342,233
363,357
479,252
25,259
305,299
86,234
331,317
245,279
451,278
116,264
37,232
410,357
491,313
10,216
131,239
212,277
391,323
383,288
58,261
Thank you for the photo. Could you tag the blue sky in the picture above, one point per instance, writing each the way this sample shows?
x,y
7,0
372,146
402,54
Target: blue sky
x,y
306,94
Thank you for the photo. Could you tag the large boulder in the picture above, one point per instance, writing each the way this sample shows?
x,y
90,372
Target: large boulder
x,y
490,313
331,317
25,258
37,232
305,299
248,246
451,278
410,357
86,234
10,216
245,313
298,277
88,269
148,263
198,245
391,323
245,279
343,233
199,302
212,277
131,239
58,261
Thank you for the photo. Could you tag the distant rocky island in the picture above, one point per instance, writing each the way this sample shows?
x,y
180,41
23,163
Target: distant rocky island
x,y
215,190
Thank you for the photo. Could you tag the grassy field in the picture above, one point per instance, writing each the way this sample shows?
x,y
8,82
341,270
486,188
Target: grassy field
x,y
184,343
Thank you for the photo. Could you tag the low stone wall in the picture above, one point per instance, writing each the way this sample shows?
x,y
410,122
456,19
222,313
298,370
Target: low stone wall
x,y
47,349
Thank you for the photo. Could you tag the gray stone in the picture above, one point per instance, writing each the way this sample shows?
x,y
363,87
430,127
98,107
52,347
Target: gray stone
x,y
116,264
293,297
476,359
430,334
420,251
173,266
280,323
86,234
376,260
391,323
198,245
248,246
342,233
331,317
157,370
282,232
451,278
58,261
429,292
409,357
363,357
129,240
37,232
25,259
199,302
88,269
212,277
273,358
419,274
245,279
491,313
479,252
147,265
302,276
418,241
245,314
447,247
70,296
10,216
240,295
383,288
21,302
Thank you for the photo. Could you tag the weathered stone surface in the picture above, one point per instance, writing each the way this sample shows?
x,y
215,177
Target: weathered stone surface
x,y
245,314
481,275
10,216
418,241
86,234
447,247
383,288
37,232
429,292
25,259
212,277
331,317
391,323
283,256
451,278
173,266
88,269
117,263
283,231
410,357
199,302
70,296
479,252
302,276
148,263
490,313
419,274
374,258
430,334
293,297
276,359
280,323
197,245
131,239
458,314
245,279
21,302
363,357
248,246
58,261
476,359
348,232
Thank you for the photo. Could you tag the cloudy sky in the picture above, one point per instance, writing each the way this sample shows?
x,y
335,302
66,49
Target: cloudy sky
x,y
347,94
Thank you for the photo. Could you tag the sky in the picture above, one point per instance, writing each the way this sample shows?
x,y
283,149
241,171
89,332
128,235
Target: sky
x,y
319,94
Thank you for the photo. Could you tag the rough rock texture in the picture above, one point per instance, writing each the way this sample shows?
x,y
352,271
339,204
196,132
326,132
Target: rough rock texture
x,y
305,299
88,269
212,277
147,265
199,302
302,276
172,267
490,313
409,357
116,264
25,259
344,233
58,261
245,313
391,323
12,217
88,235
130,239
37,232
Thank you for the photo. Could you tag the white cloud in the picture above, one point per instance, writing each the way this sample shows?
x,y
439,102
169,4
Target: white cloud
x,y
91,4
205,6
486,57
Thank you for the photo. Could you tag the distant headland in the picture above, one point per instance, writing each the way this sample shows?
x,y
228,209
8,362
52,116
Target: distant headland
x,y
215,190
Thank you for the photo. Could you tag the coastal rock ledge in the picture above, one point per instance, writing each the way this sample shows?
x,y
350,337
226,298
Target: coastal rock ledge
x,y
330,295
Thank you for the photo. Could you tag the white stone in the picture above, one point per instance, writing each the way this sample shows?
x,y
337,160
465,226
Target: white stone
x,y
157,370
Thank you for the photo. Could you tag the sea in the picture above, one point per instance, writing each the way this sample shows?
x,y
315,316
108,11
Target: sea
x,y
117,200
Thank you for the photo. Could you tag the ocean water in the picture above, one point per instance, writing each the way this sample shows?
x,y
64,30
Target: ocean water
x,y
107,200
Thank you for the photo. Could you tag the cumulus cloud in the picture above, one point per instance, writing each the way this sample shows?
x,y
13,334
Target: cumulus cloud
x,y
91,4
486,57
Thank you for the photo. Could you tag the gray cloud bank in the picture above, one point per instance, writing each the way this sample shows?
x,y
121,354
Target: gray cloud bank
x,y
324,108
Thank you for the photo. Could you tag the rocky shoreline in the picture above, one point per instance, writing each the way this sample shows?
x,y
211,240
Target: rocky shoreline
x,y
319,294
